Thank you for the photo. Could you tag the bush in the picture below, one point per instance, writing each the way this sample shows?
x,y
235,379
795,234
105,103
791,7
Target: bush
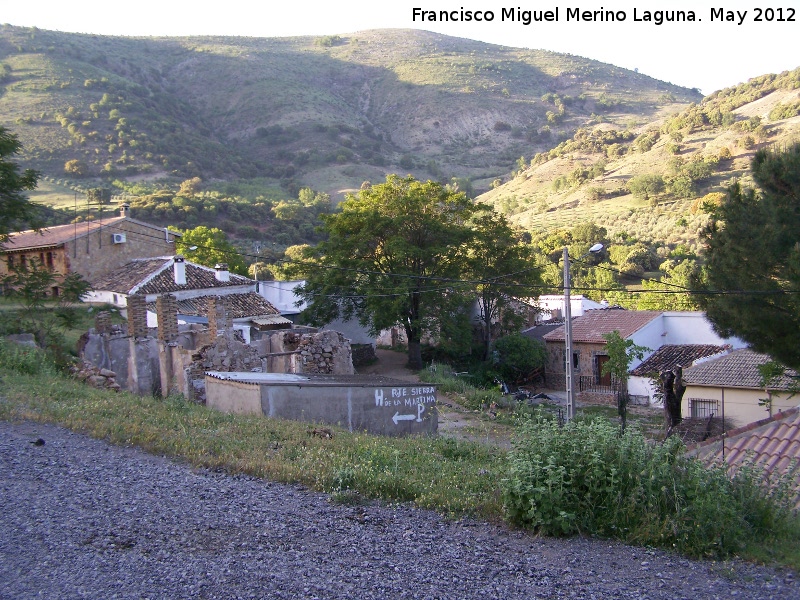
x,y
586,478
24,359
518,357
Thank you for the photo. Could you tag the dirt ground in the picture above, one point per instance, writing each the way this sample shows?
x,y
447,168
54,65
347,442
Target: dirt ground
x,y
460,423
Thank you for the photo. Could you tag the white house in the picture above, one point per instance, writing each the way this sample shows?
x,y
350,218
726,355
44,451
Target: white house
x,y
192,285
551,306
281,294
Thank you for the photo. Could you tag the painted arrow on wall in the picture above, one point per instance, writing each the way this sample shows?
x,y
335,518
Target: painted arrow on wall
x,y
398,417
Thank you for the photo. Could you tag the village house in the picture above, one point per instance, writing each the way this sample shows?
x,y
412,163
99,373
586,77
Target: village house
x,y
191,285
643,386
551,306
92,248
731,387
650,329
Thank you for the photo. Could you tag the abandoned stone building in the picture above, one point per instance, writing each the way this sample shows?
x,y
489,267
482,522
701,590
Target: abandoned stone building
x,y
173,358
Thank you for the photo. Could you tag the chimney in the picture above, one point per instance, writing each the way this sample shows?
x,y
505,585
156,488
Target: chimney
x,y
222,272
125,210
179,267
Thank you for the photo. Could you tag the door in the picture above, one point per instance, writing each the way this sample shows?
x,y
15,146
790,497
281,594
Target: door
x,y
602,379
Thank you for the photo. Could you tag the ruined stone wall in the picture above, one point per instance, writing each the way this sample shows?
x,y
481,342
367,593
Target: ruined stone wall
x,y
327,352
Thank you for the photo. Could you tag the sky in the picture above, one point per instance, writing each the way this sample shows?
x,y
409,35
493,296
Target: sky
x,y
707,54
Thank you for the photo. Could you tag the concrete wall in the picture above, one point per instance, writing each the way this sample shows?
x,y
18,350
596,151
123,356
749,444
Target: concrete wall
x,y
354,403
233,397
741,405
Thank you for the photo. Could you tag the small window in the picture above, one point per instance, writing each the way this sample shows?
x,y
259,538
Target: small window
x,y
55,291
23,261
49,260
702,408
116,300
10,261
576,363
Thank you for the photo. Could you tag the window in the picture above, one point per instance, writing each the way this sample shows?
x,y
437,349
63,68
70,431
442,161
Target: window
x,y
702,408
575,359
23,261
49,260
10,261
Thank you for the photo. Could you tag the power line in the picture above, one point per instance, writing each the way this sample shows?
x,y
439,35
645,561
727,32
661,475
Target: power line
x,y
462,283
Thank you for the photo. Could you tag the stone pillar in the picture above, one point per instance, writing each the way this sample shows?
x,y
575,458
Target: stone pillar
x,y
167,311
212,316
137,316
217,316
102,322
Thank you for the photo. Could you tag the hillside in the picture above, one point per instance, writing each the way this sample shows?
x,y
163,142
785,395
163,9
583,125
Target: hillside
x,y
326,112
649,182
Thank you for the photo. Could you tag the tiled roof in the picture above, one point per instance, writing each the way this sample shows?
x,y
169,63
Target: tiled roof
x,y
773,444
670,356
537,332
155,276
61,234
739,369
591,326
237,306
55,236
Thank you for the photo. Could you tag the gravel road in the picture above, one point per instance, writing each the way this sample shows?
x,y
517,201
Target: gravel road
x,y
82,519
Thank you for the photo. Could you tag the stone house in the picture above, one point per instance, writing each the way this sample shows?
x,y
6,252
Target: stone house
x,y
589,347
92,249
730,386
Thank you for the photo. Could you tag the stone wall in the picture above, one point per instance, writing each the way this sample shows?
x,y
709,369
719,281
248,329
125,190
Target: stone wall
x,y
95,255
363,354
326,352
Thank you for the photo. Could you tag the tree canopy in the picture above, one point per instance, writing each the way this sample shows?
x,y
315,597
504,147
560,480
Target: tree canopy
x,y
17,212
212,247
396,254
752,252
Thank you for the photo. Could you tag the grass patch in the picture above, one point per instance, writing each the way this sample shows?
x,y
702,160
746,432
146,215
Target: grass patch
x,y
464,392
588,478
454,477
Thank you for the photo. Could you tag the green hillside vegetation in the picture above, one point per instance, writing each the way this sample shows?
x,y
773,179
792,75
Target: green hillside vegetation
x,y
317,112
650,182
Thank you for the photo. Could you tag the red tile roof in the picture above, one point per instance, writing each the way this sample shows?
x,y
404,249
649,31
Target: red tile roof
x,y
60,234
155,276
237,306
670,356
772,444
739,369
591,326
56,236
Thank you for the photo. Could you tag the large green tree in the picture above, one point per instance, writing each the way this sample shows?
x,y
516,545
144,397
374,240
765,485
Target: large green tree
x,y
209,246
393,256
752,254
17,212
502,267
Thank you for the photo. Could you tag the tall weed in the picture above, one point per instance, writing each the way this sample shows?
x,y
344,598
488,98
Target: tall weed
x,y
586,477
24,359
